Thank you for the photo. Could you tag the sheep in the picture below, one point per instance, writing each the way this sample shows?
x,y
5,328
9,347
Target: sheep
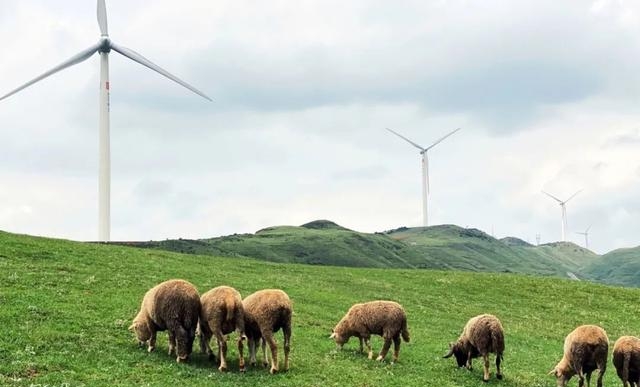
x,y
221,314
626,359
585,349
174,306
481,335
265,312
384,318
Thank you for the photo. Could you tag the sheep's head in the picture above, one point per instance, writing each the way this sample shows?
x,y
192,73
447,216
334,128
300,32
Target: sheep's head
x,y
562,374
457,350
141,330
338,338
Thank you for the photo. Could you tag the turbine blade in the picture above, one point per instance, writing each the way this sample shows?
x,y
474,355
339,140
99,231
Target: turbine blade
x,y
102,18
406,139
553,197
146,62
572,196
80,57
442,139
588,228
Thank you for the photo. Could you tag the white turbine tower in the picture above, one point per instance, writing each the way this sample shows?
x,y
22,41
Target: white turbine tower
x,y
425,170
103,47
564,211
586,236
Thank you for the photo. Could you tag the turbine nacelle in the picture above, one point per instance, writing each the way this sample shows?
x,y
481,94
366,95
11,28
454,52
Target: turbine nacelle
x,y
105,44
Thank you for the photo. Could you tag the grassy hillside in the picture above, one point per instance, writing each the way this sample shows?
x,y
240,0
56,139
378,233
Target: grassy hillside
x,y
65,308
620,267
436,247
453,247
318,242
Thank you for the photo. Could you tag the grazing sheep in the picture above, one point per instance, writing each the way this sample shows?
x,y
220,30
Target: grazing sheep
x,y
174,306
221,314
265,312
383,318
585,349
482,335
626,359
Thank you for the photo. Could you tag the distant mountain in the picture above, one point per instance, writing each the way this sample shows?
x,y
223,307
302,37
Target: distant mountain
x,y
453,247
317,243
323,242
618,267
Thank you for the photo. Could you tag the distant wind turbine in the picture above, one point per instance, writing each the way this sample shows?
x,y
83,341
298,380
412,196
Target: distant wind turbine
x,y
564,211
586,236
425,170
103,47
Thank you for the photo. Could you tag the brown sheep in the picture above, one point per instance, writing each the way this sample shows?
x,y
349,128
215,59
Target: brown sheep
x,y
221,314
481,336
626,359
384,318
585,349
265,312
174,306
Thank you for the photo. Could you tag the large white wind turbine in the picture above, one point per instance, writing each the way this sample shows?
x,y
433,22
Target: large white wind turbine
x,y
425,170
103,47
586,236
564,211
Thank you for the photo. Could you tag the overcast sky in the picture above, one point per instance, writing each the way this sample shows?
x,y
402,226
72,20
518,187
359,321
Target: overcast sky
x,y
547,93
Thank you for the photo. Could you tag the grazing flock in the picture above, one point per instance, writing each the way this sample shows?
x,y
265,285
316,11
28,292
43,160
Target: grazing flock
x,y
175,306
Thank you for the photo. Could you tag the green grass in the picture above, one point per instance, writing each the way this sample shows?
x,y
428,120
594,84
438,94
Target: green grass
x,y
65,307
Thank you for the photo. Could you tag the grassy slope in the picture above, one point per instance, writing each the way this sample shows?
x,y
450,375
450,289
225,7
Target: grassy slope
x,y
620,267
319,242
453,247
436,247
65,308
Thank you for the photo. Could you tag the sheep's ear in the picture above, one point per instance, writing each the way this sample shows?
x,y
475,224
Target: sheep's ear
x,y
132,327
333,335
553,372
450,353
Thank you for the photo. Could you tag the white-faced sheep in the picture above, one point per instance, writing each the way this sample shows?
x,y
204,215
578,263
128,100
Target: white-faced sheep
x,y
626,359
266,312
384,318
585,350
481,336
221,314
174,306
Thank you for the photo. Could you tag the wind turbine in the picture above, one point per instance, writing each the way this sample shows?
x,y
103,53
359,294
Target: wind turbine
x,y
103,47
586,236
425,170
564,211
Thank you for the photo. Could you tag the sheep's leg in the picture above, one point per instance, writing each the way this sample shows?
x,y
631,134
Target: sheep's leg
x,y
286,330
469,365
241,354
205,338
152,341
184,343
369,350
396,348
268,337
252,351
222,350
485,357
265,359
172,343
580,378
601,369
385,349
361,342
498,370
